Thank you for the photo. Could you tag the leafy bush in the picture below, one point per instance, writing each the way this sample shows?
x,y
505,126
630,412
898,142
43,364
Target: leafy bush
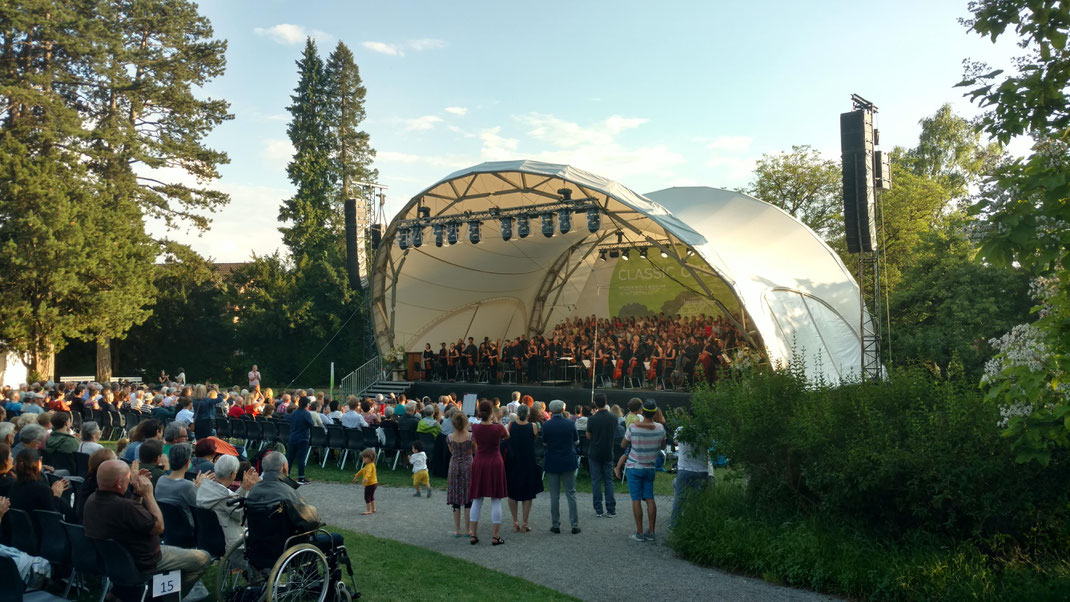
x,y
903,455
721,528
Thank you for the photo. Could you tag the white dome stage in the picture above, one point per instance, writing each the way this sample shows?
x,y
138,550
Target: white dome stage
x,y
706,250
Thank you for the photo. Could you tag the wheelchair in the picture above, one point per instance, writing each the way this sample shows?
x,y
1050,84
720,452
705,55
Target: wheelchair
x,y
272,563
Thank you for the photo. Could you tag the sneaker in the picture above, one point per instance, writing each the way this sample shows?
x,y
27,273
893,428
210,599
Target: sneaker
x,y
197,593
575,530
611,514
428,493
637,537
417,494
555,530
598,515
303,481
649,536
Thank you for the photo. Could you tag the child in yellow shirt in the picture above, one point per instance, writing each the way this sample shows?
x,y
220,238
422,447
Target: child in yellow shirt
x,y
371,481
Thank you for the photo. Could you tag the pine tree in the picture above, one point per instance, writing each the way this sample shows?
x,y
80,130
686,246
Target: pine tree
x,y
352,151
313,222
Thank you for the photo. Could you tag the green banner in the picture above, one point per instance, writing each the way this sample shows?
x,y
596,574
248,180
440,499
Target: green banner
x,y
645,287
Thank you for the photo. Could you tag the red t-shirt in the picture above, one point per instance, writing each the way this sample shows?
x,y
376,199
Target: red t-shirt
x,y
236,412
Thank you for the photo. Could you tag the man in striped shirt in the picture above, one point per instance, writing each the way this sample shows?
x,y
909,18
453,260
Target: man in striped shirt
x,y
646,438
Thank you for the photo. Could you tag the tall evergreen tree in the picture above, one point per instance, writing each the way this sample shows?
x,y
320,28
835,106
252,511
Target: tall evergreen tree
x,y
312,221
149,57
352,151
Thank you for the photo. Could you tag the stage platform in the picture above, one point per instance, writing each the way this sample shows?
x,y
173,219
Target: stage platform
x,y
571,395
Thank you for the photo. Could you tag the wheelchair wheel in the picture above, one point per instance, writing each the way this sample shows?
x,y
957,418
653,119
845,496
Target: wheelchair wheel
x,y
341,592
235,575
300,574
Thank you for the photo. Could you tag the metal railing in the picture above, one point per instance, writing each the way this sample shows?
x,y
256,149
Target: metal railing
x,y
358,381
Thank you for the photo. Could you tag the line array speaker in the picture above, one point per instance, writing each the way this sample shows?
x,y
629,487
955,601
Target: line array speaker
x,y
856,146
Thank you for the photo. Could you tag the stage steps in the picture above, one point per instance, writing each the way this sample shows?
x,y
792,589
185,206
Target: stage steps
x,y
386,387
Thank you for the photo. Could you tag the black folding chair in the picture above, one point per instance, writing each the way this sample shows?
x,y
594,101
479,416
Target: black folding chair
x,y
222,427
237,428
117,424
177,530
23,533
81,465
355,444
283,435
54,545
120,569
13,588
317,440
391,436
269,432
85,558
336,440
428,439
405,439
210,536
371,439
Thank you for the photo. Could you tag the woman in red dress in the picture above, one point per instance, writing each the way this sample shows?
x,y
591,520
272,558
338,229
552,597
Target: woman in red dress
x,y
488,472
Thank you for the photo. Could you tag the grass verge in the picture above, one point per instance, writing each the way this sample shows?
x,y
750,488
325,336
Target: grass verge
x,y
719,528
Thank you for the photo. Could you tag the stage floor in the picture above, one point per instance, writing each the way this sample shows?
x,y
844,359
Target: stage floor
x,y
571,395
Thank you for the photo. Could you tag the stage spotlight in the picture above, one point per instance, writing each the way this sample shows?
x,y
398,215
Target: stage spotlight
x,y
620,237
614,254
424,212
507,228
689,253
451,232
523,228
437,231
602,255
403,238
642,253
548,225
594,219
473,232
626,254
566,194
664,254
564,220
417,236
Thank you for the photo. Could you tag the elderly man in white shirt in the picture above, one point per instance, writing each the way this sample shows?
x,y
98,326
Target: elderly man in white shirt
x,y
214,494
352,418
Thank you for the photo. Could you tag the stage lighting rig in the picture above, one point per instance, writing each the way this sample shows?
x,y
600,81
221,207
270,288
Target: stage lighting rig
x,y
566,194
548,224
626,254
417,236
403,238
507,228
564,220
451,232
473,232
642,252
602,255
523,228
594,219
437,230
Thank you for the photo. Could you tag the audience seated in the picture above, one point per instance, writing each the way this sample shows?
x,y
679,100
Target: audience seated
x,y
145,430
7,433
61,441
31,491
428,424
136,524
352,418
151,458
7,470
89,486
173,434
90,438
215,492
173,488
31,436
274,487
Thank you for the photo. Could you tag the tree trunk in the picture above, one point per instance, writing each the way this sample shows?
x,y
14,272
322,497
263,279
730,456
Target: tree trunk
x,y
104,360
42,363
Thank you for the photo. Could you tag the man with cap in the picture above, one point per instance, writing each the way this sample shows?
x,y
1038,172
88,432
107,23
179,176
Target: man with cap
x,y
560,464
646,438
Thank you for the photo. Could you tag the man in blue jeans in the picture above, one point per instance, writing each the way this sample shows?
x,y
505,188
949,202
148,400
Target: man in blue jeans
x,y
692,471
300,434
646,438
602,431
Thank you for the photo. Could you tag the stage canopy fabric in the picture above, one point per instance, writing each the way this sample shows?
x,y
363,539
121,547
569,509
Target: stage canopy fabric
x,y
706,251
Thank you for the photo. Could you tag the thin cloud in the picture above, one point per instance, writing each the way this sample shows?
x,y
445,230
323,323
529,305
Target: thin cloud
x,y
460,111
289,34
277,152
383,48
421,124
398,48
730,143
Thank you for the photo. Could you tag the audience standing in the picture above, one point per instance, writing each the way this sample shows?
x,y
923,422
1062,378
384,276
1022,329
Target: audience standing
x,y
646,438
488,473
523,477
560,464
602,432
459,474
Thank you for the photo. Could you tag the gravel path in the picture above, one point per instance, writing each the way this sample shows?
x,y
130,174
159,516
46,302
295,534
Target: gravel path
x,y
601,563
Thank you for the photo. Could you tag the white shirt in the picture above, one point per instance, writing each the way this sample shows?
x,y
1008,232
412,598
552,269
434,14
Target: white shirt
x,y
419,461
512,406
181,378
326,420
89,447
690,459
352,420
184,415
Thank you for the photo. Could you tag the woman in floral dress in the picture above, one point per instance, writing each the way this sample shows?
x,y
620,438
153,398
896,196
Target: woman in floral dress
x,y
459,475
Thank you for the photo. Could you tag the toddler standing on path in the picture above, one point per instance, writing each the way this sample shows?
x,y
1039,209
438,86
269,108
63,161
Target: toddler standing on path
x,y
418,459
371,480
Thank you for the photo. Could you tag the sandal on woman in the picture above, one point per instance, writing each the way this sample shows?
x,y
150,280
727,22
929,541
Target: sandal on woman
x,y
525,529
497,541
473,540
516,527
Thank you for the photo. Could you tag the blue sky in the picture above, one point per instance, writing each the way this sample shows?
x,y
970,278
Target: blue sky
x,y
649,94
